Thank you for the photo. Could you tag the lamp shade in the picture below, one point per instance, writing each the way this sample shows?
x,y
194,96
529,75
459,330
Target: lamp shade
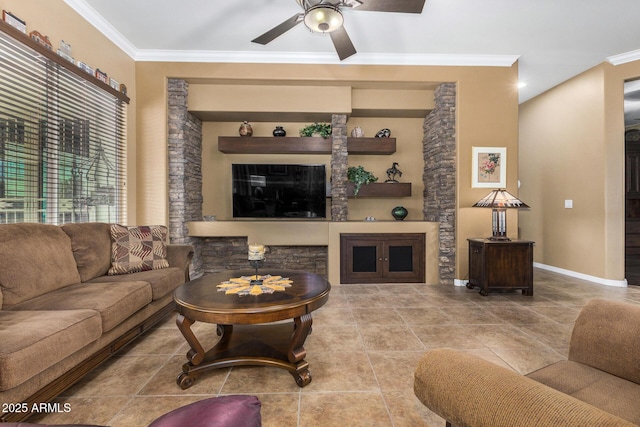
x,y
500,199
323,18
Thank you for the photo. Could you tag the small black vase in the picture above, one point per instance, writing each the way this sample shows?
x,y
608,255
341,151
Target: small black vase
x,y
279,131
399,213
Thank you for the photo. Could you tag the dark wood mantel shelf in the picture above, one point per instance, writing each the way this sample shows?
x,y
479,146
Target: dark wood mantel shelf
x,y
301,145
381,189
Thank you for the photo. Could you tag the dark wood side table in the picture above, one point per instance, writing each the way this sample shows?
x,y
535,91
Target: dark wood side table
x,y
501,265
249,326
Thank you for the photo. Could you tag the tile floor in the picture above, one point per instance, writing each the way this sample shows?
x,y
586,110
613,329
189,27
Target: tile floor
x,y
365,344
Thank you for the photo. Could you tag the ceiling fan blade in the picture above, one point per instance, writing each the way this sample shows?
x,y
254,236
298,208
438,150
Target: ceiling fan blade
x,y
402,6
279,30
342,43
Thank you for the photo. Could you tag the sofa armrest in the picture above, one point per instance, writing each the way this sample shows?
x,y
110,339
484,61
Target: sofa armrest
x,y
468,391
604,337
180,256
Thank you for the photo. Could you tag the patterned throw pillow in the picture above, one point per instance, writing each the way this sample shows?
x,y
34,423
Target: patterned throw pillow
x,y
135,249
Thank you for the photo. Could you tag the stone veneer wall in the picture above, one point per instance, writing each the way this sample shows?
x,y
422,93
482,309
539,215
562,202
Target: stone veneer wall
x,y
185,169
230,253
439,150
339,166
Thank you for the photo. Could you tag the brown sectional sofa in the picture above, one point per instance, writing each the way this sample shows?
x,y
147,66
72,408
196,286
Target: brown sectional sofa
x,y
61,314
599,384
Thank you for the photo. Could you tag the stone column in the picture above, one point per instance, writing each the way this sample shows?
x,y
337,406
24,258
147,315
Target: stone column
x,y
339,164
439,151
185,169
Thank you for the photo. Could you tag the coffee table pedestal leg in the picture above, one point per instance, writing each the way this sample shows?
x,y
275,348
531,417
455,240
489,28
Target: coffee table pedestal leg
x,y
297,353
277,345
195,355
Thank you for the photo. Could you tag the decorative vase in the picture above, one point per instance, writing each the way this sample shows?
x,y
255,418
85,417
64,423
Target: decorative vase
x,y
279,131
245,129
383,133
357,132
399,213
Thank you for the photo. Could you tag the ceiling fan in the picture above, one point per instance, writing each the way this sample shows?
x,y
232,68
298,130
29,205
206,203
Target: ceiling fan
x,y
324,16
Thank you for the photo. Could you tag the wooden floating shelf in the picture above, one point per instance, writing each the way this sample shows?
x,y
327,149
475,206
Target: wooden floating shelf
x,y
381,189
273,145
301,145
371,145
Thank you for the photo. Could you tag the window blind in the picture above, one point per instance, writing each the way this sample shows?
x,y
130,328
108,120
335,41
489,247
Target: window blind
x,y
62,142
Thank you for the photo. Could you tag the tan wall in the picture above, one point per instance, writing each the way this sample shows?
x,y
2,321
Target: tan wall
x,y
572,147
487,114
55,19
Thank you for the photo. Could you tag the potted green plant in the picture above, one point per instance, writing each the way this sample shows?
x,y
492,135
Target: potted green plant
x,y
322,129
359,176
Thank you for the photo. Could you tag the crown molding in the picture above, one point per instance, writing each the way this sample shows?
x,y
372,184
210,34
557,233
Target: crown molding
x,y
102,25
151,55
623,58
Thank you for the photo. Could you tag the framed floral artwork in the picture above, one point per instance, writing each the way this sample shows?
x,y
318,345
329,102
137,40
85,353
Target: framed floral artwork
x,y
489,167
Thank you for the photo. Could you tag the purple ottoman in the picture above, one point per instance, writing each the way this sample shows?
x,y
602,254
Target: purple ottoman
x,y
223,411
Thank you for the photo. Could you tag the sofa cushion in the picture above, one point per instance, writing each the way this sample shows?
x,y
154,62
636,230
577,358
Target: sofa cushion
x,y
91,246
34,259
115,301
600,389
162,281
137,249
32,341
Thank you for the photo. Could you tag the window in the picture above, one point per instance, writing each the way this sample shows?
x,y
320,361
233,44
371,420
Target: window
x,y
62,140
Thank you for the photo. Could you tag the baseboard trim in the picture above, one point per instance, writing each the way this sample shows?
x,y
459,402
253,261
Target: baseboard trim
x,y
570,273
460,282
598,280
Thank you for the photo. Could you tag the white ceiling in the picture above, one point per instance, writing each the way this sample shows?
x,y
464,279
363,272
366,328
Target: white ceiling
x,y
552,40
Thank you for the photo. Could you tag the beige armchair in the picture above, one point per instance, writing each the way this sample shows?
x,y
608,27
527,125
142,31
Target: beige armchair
x,y
599,384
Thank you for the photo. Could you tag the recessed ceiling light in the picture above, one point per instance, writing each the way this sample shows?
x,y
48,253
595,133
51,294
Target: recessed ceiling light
x,y
521,85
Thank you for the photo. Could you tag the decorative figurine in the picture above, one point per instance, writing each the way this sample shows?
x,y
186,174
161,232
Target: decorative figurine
x,y
392,172
41,39
86,68
65,51
102,76
246,129
357,132
14,21
383,133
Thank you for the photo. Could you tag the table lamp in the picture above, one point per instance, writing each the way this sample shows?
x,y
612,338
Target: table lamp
x,y
499,201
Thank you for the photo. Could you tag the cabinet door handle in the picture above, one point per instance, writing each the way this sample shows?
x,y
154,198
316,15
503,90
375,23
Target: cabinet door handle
x,y
386,259
379,259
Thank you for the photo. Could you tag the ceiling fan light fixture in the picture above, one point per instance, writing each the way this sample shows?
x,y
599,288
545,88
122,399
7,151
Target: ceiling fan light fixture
x,y
323,18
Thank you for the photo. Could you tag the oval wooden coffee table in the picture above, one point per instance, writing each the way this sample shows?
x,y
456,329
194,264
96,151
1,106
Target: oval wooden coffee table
x,y
248,334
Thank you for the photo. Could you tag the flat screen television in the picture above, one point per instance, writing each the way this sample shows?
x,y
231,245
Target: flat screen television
x,y
279,191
